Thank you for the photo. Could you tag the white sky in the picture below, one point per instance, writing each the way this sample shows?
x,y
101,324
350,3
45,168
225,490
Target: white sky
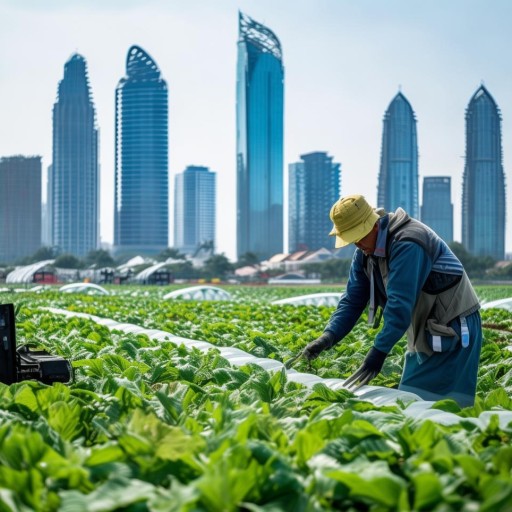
x,y
344,62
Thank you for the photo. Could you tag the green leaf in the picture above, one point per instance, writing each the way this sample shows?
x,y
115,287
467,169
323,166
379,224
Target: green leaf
x,y
428,491
115,494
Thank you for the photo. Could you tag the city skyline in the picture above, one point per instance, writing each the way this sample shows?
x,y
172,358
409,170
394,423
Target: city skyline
x,y
343,62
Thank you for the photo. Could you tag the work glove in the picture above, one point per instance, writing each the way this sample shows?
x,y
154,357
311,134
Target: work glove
x,y
313,349
371,367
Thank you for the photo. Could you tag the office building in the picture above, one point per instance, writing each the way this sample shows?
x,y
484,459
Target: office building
x,y
141,216
194,209
74,171
437,207
259,141
483,187
314,186
20,207
398,175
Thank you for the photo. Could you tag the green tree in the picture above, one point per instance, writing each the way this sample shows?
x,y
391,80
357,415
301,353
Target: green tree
x,y
170,252
68,261
217,265
100,258
334,270
248,259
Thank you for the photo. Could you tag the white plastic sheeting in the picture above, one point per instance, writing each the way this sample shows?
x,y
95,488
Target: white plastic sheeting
x,y
143,275
88,288
500,304
313,299
199,293
25,274
416,408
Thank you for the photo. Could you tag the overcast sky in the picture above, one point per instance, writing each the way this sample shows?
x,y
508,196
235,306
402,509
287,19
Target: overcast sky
x,y
344,62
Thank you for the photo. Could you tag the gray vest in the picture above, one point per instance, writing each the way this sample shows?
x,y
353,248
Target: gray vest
x,y
445,295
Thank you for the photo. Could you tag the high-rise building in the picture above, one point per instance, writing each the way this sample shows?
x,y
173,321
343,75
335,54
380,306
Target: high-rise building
x,y
20,207
314,186
483,187
194,209
437,207
260,97
141,218
74,176
398,175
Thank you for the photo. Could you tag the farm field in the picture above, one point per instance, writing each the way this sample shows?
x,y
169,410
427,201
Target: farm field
x,y
150,425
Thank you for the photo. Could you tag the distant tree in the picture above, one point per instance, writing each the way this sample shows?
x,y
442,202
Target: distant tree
x,y
184,270
42,254
68,261
170,252
249,259
100,258
334,270
217,265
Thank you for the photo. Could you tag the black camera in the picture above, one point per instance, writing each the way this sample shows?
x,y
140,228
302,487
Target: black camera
x,y
24,363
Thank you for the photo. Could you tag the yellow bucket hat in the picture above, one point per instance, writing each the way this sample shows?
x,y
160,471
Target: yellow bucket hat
x,y
353,219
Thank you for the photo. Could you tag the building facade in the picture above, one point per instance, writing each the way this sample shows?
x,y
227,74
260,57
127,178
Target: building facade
x,y
483,187
437,207
314,186
259,108
74,170
141,216
398,175
194,209
20,207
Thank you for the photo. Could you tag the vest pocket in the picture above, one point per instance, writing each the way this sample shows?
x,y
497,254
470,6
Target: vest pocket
x,y
441,338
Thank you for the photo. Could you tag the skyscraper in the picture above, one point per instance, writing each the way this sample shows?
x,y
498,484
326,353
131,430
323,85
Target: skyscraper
x,y
141,217
314,186
194,209
20,207
398,175
437,207
74,176
483,187
260,97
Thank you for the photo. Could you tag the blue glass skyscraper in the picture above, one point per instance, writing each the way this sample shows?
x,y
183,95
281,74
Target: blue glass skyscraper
x,y
74,171
437,207
483,187
314,186
20,207
141,218
398,175
260,97
194,209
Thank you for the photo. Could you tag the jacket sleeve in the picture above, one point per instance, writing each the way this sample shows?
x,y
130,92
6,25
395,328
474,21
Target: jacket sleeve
x,y
353,301
409,267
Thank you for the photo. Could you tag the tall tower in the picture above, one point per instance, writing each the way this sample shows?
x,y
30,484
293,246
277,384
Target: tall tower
x,y
314,186
141,217
398,175
20,207
483,187
74,177
194,209
259,134
437,207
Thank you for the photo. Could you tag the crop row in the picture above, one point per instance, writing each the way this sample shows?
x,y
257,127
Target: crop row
x,y
148,425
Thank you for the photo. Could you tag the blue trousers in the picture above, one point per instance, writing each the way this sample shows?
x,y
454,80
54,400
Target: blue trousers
x,y
450,374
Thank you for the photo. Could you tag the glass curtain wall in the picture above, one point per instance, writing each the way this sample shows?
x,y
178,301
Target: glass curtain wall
x,y
398,176
260,97
483,189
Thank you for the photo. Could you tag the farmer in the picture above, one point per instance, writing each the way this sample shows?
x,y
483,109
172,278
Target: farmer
x,y
403,270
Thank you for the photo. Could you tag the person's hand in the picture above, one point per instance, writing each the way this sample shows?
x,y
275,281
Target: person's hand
x,y
313,349
371,367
